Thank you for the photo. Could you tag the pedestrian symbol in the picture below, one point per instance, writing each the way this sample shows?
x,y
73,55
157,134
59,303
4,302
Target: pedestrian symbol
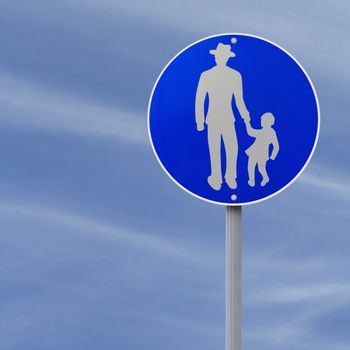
x,y
233,119
258,152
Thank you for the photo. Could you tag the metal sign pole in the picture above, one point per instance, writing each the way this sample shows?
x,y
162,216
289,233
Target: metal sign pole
x,y
233,277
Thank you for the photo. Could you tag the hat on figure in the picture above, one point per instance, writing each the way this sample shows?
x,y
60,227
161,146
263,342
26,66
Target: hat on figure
x,y
223,50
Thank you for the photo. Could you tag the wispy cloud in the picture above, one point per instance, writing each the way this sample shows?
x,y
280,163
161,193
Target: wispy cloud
x,y
292,283
26,105
299,292
164,247
305,304
291,336
198,327
309,300
301,31
333,181
304,293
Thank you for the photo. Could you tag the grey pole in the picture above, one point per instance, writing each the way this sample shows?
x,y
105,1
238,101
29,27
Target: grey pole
x,y
233,278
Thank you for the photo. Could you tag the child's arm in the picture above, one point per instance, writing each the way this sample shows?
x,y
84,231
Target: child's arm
x,y
275,145
251,132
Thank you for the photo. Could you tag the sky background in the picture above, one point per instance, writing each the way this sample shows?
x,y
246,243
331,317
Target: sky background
x,y
99,248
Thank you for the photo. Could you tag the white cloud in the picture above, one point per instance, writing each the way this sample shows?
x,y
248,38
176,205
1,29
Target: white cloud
x,y
313,31
197,327
304,293
331,180
91,226
298,292
310,300
28,106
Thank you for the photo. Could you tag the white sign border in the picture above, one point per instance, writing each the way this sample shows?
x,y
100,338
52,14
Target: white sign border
x,y
296,176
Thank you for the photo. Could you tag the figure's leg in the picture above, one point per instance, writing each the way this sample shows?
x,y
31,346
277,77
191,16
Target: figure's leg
x,y
231,149
263,172
251,171
214,141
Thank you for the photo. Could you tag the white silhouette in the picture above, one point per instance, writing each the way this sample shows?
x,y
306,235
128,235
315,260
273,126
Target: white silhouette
x,y
258,152
221,83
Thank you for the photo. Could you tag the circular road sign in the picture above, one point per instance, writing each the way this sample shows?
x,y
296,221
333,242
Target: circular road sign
x,y
233,119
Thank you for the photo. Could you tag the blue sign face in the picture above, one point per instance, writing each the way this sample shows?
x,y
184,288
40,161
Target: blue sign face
x,y
233,119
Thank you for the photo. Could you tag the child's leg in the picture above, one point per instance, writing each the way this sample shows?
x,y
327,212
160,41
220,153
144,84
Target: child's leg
x,y
251,171
263,172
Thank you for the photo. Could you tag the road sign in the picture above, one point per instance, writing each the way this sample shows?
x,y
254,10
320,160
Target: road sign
x,y
233,119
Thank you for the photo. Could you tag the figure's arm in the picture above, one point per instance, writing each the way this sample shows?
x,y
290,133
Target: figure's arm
x,y
276,147
250,131
200,98
240,101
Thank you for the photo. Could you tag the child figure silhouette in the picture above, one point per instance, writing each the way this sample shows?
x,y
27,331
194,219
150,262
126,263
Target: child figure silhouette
x,y
259,152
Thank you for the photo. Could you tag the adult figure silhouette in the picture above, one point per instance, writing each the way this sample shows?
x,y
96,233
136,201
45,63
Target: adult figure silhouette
x,y
221,83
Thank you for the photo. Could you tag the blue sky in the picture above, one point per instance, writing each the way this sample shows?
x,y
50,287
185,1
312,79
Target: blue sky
x,y
99,249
